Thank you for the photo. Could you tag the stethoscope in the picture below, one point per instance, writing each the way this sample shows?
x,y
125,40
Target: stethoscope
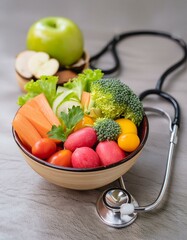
x,y
116,207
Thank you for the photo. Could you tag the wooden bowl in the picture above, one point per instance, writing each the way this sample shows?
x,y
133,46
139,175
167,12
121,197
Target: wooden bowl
x,y
64,74
84,179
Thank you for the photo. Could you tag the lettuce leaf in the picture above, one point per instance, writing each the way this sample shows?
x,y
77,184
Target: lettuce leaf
x,y
46,85
83,81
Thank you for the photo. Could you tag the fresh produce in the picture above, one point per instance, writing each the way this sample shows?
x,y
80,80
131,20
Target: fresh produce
x,y
73,118
85,157
40,64
116,99
85,137
44,107
85,100
71,93
21,63
109,152
69,121
128,141
25,130
31,64
44,148
106,129
83,81
36,118
127,126
61,158
45,116
85,122
60,37
45,85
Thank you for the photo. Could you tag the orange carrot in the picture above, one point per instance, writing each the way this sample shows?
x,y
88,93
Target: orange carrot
x,y
33,104
25,130
36,118
85,99
46,109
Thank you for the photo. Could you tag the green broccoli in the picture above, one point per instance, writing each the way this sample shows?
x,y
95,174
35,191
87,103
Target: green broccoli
x,y
116,99
106,129
134,110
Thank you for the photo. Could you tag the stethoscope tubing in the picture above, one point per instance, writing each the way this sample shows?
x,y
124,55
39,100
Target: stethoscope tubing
x,y
168,98
112,47
174,122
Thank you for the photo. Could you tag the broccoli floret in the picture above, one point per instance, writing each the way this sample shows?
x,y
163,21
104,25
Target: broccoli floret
x,y
116,99
134,110
106,129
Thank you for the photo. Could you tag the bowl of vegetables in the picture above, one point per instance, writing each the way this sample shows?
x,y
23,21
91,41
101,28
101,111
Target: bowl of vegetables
x,y
82,135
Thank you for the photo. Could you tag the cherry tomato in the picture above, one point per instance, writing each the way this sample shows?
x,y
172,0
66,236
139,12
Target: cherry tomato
x,y
85,122
127,126
61,158
44,148
128,141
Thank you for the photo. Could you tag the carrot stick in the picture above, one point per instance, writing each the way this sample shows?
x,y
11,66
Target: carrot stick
x,y
36,118
85,99
46,109
25,130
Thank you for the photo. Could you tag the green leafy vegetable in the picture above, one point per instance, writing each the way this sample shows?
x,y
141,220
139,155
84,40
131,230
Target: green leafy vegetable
x,y
116,99
57,133
46,85
83,81
75,114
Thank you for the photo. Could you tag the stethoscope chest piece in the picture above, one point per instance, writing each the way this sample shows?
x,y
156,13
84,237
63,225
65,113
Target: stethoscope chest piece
x,y
109,207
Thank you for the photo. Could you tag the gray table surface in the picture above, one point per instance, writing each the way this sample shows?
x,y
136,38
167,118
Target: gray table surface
x,y
32,208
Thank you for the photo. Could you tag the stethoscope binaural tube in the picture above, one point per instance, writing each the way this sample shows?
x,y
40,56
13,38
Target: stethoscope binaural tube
x,y
112,48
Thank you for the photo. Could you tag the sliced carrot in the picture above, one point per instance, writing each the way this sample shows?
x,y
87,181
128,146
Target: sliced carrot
x,y
46,109
33,104
25,130
24,143
37,119
85,99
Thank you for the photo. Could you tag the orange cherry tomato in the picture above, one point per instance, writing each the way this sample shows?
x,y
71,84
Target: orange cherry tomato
x,y
85,122
61,158
127,126
128,141
44,148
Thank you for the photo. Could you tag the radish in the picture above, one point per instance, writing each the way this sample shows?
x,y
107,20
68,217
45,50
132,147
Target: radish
x,y
85,137
109,152
85,157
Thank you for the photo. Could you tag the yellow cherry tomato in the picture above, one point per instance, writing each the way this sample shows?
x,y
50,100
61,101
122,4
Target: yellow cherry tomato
x,y
128,141
127,126
85,122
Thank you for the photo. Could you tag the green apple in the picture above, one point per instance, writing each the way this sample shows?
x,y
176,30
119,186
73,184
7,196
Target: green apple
x,y
60,37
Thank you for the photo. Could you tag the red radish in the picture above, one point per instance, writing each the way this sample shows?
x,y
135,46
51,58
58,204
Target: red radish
x,y
85,137
109,152
85,157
